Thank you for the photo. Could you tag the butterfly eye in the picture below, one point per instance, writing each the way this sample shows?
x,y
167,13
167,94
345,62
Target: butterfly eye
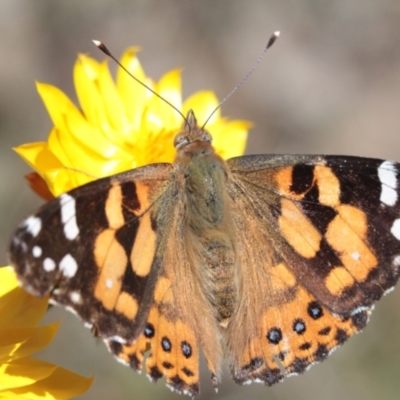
x,y
180,140
206,137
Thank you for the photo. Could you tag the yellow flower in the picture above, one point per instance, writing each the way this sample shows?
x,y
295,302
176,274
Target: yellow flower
x,y
120,126
22,377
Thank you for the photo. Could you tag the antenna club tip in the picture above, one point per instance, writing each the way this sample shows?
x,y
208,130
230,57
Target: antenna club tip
x,y
273,39
103,48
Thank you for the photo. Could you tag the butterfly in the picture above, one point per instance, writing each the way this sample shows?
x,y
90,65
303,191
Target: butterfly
x,y
267,262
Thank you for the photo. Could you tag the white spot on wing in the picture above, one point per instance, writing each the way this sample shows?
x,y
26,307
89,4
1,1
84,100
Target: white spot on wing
x,y
310,365
75,297
388,291
109,283
71,230
36,251
68,266
68,216
33,225
388,196
48,264
396,229
117,339
120,360
71,310
359,310
396,261
355,255
387,176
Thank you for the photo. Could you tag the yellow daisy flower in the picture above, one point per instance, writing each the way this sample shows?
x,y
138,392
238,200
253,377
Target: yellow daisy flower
x,y
22,377
120,126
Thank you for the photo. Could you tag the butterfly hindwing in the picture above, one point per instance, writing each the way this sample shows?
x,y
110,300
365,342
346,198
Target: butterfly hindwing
x,y
180,320
321,242
95,249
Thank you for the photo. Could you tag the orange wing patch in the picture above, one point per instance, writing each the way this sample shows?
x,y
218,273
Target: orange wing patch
x,y
112,261
328,185
113,207
144,247
174,353
111,256
127,305
298,230
355,255
304,195
281,277
284,179
292,337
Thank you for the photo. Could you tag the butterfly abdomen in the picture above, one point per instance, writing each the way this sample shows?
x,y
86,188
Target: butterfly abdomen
x,y
219,263
209,231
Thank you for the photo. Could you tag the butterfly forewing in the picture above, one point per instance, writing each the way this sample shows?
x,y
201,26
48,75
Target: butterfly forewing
x,y
335,219
119,260
87,248
319,243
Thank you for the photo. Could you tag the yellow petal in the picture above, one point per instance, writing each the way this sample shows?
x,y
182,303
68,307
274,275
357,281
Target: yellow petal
x,y
7,395
8,281
74,140
170,88
97,157
132,93
26,340
38,156
85,80
58,105
61,384
24,371
113,104
19,309
229,138
5,351
22,377
15,335
63,180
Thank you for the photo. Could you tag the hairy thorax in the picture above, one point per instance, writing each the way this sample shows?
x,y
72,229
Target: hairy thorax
x,y
209,234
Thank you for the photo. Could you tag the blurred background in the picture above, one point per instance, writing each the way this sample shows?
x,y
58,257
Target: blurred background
x,y
330,85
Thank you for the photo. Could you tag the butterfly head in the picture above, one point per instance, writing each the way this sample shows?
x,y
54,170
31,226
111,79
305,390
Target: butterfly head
x,y
191,133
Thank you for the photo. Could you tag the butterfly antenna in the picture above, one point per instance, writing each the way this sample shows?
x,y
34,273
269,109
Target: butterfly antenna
x,y
105,50
271,41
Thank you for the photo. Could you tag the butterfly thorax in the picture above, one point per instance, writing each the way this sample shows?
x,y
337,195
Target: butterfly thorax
x,y
208,221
